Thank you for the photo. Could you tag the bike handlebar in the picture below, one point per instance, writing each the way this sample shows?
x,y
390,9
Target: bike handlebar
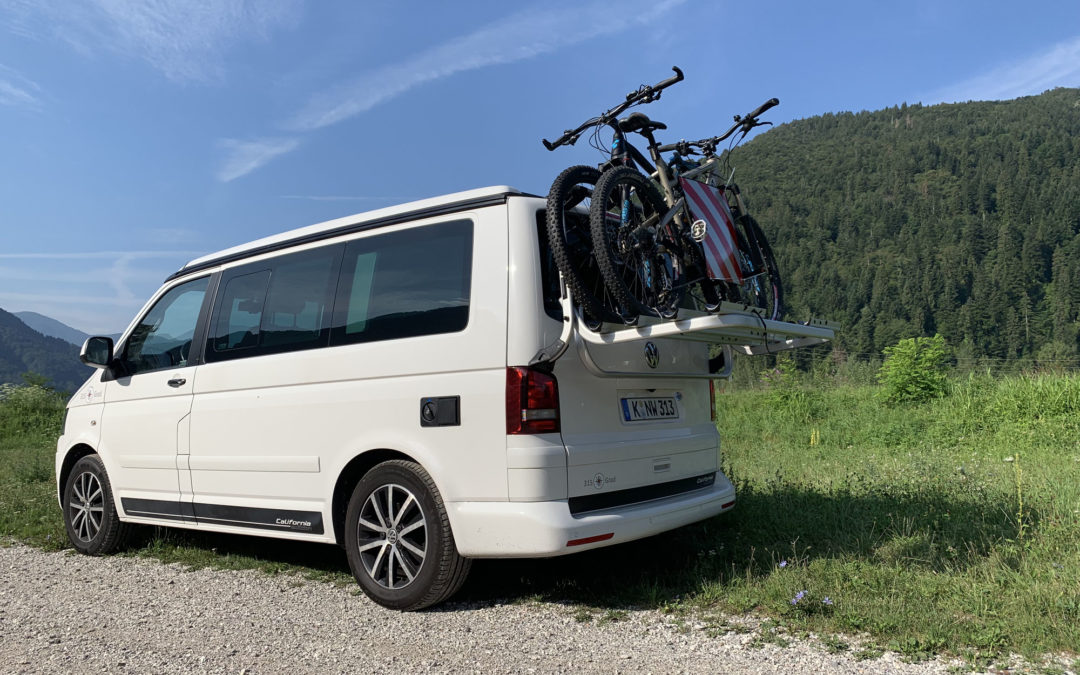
x,y
644,94
771,103
745,122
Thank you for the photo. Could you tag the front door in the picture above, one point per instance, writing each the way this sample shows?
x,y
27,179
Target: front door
x,y
144,424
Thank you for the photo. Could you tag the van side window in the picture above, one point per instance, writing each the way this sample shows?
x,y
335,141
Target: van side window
x,y
276,305
300,301
163,337
405,284
242,300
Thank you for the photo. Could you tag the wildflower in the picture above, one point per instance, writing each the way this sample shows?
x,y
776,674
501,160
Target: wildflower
x,y
783,564
798,596
827,601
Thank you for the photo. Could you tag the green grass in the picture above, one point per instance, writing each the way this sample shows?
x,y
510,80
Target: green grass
x,y
30,420
947,527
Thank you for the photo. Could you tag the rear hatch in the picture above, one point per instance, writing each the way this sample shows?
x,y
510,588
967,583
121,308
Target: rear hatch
x,y
635,418
635,429
635,412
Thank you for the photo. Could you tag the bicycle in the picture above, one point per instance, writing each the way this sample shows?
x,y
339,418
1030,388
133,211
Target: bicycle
x,y
569,231
643,248
738,258
722,250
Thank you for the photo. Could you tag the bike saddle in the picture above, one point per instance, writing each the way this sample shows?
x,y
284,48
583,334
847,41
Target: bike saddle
x,y
639,122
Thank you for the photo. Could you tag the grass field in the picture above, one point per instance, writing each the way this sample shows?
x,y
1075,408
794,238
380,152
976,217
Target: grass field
x,y
946,527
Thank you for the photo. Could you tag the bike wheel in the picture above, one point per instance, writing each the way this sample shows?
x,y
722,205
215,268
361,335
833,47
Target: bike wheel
x,y
770,287
643,275
761,286
570,238
708,293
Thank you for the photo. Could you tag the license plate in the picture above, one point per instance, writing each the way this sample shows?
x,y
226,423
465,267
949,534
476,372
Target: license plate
x,y
651,408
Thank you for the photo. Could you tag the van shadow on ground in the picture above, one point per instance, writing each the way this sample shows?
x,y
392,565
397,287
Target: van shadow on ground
x,y
928,529
925,529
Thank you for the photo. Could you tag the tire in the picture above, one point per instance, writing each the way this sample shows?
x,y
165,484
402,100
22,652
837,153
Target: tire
x,y
407,560
570,238
639,273
763,288
711,292
90,517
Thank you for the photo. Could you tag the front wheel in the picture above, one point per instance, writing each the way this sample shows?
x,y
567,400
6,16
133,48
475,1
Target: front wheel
x,y
398,539
90,517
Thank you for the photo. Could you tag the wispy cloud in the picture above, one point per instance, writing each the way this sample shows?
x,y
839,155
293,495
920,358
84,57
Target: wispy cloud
x,y
31,299
70,274
338,198
97,291
519,36
243,157
170,235
1058,66
101,255
18,91
186,41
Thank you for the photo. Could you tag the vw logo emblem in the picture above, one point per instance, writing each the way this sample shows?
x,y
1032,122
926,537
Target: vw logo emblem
x,y
652,355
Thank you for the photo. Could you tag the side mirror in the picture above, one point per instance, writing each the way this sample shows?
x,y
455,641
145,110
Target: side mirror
x,y
97,352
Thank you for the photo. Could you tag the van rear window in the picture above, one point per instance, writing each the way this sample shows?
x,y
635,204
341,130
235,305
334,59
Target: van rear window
x,y
405,284
549,274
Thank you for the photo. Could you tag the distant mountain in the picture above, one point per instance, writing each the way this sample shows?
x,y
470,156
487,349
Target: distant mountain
x,y
23,349
52,328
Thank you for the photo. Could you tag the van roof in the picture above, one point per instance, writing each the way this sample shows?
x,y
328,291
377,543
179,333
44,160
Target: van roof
x,y
423,208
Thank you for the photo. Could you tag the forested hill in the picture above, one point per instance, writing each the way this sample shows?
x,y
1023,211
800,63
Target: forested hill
x,y
962,219
24,350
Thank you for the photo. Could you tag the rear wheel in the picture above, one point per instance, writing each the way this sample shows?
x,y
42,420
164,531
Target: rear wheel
x,y
697,273
643,275
571,243
398,539
90,517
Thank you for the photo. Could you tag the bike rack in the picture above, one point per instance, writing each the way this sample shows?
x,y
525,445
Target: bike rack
x,y
736,327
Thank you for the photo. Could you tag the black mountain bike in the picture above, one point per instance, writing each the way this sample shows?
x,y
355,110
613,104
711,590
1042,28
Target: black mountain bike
x,y
644,248
732,261
571,236
698,227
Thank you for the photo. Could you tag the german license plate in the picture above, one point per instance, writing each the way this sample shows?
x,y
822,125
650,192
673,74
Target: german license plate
x,y
649,408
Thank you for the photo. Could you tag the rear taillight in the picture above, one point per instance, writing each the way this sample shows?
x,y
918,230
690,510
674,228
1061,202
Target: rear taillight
x,y
712,400
532,402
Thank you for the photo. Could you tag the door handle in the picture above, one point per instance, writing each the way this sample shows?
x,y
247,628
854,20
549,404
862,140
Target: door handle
x,y
177,382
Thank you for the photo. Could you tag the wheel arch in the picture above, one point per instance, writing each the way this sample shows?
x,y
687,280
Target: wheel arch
x,y
74,454
350,475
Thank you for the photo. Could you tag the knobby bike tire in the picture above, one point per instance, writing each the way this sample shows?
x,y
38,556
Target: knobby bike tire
x,y
760,289
769,291
697,273
570,239
640,274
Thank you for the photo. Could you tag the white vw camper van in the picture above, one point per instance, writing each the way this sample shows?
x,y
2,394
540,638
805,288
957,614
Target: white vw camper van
x,y
409,383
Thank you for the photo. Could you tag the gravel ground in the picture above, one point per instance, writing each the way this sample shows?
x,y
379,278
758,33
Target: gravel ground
x,y
68,613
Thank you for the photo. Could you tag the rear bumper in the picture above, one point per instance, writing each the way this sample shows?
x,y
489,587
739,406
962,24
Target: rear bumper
x,y
543,529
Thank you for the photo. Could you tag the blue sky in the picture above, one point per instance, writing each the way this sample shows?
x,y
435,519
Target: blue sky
x,y
137,134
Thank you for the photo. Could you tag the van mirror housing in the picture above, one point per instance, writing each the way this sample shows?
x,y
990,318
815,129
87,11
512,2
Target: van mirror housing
x,y
97,352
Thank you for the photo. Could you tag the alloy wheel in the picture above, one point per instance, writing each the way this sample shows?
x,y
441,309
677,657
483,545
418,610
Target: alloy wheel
x,y
392,536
